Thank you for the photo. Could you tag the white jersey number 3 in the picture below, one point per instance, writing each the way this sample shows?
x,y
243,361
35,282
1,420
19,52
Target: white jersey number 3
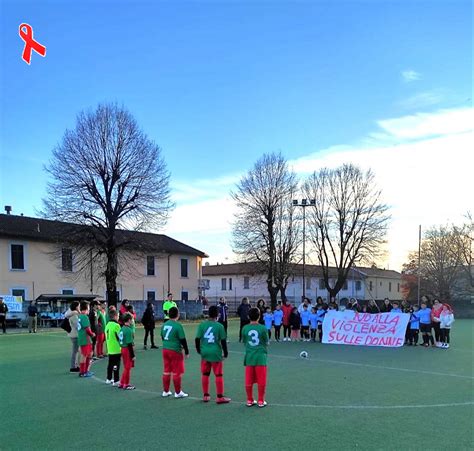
x,y
255,341
209,336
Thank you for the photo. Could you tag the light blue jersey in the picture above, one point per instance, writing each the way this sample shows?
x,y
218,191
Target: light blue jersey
x,y
414,321
424,315
396,310
321,313
313,320
305,318
268,318
278,317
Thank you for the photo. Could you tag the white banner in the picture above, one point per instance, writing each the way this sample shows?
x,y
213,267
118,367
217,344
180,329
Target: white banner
x,y
365,329
14,303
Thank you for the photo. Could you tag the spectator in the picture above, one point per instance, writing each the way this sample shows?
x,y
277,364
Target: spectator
x,y
435,320
223,313
372,307
148,321
123,309
94,306
243,313
287,308
3,315
32,317
72,314
386,306
262,307
167,305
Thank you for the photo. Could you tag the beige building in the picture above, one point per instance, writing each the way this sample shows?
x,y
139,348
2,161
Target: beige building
x,y
34,260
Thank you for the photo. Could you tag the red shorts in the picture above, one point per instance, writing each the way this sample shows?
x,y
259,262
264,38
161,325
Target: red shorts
x,y
86,350
217,367
127,361
173,362
256,375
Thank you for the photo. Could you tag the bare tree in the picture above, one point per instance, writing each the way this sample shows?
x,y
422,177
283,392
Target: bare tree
x,y
464,238
265,228
106,174
348,223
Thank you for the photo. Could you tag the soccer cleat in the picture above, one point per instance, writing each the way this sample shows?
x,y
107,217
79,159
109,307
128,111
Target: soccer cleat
x,y
262,404
144,348
115,384
120,386
222,400
154,347
251,403
109,381
165,394
446,345
74,370
206,398
181,394
129,387
88,374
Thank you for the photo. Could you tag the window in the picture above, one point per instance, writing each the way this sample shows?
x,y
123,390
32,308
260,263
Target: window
x,y
230,283
246,283
66,259
224,284
17,256
380,283
118,295
358,285
390,286
345,286
150,265
184,295
370,285
398,287
322,286
308,283
184,267
19,292
150,295
68,291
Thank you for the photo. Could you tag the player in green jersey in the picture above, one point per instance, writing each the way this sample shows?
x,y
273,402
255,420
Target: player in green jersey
x,y
255,338
84,334
112,332
167,305
174,342
211,343
126,338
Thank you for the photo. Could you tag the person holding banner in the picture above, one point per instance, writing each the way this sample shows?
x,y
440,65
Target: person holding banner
x,y
3,315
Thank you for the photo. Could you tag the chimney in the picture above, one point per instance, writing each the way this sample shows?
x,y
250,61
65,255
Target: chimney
x,y
8,209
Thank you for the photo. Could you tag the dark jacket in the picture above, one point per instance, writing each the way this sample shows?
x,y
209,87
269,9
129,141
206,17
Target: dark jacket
x,y
295,321
3,309
93,320
243,312
386,308
372,309
148,318
32,310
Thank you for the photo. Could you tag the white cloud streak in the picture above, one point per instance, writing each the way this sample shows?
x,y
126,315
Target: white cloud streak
x,y
410,75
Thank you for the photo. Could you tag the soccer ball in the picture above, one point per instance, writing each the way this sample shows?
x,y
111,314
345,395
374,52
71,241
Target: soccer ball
x,y
303,354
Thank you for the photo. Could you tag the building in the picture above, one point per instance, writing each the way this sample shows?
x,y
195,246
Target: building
x,y
236,280
35,259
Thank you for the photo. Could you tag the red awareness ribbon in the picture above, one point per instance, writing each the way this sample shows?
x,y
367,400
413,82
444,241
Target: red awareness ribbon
x,y
26,33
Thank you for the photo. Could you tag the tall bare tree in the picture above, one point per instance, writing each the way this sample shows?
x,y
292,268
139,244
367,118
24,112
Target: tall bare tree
x,y
106,174
265,228
349,221
464,238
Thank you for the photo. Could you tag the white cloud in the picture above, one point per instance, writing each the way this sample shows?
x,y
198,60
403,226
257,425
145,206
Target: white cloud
x,y
410,75
421,100
422,162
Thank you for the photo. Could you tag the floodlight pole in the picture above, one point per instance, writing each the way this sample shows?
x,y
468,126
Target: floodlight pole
x,y
303,204
419,263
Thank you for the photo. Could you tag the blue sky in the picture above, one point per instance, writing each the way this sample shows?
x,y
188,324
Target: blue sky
x,y
216,84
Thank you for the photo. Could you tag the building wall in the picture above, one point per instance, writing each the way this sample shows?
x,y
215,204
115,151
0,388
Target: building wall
x,y
257,288
43,274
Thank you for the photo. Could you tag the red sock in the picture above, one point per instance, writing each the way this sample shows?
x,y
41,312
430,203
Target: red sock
x,y
261,393
261,373
249,390
88,363
177,383
219,385
82,367
166,382
205,384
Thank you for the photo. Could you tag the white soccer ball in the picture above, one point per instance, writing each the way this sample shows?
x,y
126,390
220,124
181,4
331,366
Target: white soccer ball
x,y
303,354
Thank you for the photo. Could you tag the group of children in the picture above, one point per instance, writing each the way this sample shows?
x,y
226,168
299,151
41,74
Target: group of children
x,y
306,322
210,343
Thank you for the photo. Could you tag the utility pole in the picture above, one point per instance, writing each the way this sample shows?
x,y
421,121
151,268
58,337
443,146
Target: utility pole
x,y
419,263
303,204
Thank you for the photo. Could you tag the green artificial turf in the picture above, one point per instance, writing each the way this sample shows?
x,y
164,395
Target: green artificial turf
x,y
342,397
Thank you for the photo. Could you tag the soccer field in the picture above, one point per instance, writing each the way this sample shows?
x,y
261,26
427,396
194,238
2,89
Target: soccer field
x,y
342,397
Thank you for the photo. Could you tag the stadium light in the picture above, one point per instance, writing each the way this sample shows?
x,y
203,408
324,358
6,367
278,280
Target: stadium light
x,y
304,203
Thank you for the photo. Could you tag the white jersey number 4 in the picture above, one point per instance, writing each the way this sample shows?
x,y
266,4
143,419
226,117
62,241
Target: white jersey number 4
x,y
209,336
167,330
255,341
